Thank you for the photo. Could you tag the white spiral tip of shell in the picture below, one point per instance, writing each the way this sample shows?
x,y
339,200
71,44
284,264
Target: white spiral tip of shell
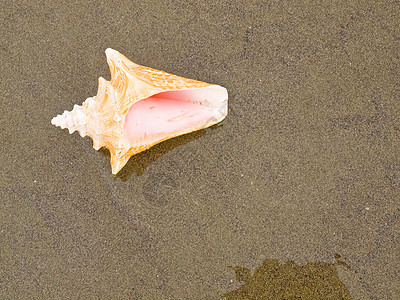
x,y
74,120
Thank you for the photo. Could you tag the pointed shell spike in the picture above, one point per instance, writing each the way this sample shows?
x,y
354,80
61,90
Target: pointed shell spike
x,y
103,116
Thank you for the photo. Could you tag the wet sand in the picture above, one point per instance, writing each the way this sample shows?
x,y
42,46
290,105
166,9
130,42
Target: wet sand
x,y
296,193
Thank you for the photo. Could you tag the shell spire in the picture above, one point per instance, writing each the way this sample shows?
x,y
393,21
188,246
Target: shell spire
x,y
140,107
74,120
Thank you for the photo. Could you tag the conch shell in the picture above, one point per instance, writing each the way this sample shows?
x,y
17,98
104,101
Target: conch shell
x,y
141,107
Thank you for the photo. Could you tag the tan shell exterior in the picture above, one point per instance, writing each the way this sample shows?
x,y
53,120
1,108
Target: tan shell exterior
x,y
102,117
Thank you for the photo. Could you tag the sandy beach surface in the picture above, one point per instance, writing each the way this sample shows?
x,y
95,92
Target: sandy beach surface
x,y
295,194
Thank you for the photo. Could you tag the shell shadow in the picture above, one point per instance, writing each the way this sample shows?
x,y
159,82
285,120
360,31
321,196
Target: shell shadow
x,y
138,163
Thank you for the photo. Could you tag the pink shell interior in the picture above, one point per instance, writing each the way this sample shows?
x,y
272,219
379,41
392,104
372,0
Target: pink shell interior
x,y
167,113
